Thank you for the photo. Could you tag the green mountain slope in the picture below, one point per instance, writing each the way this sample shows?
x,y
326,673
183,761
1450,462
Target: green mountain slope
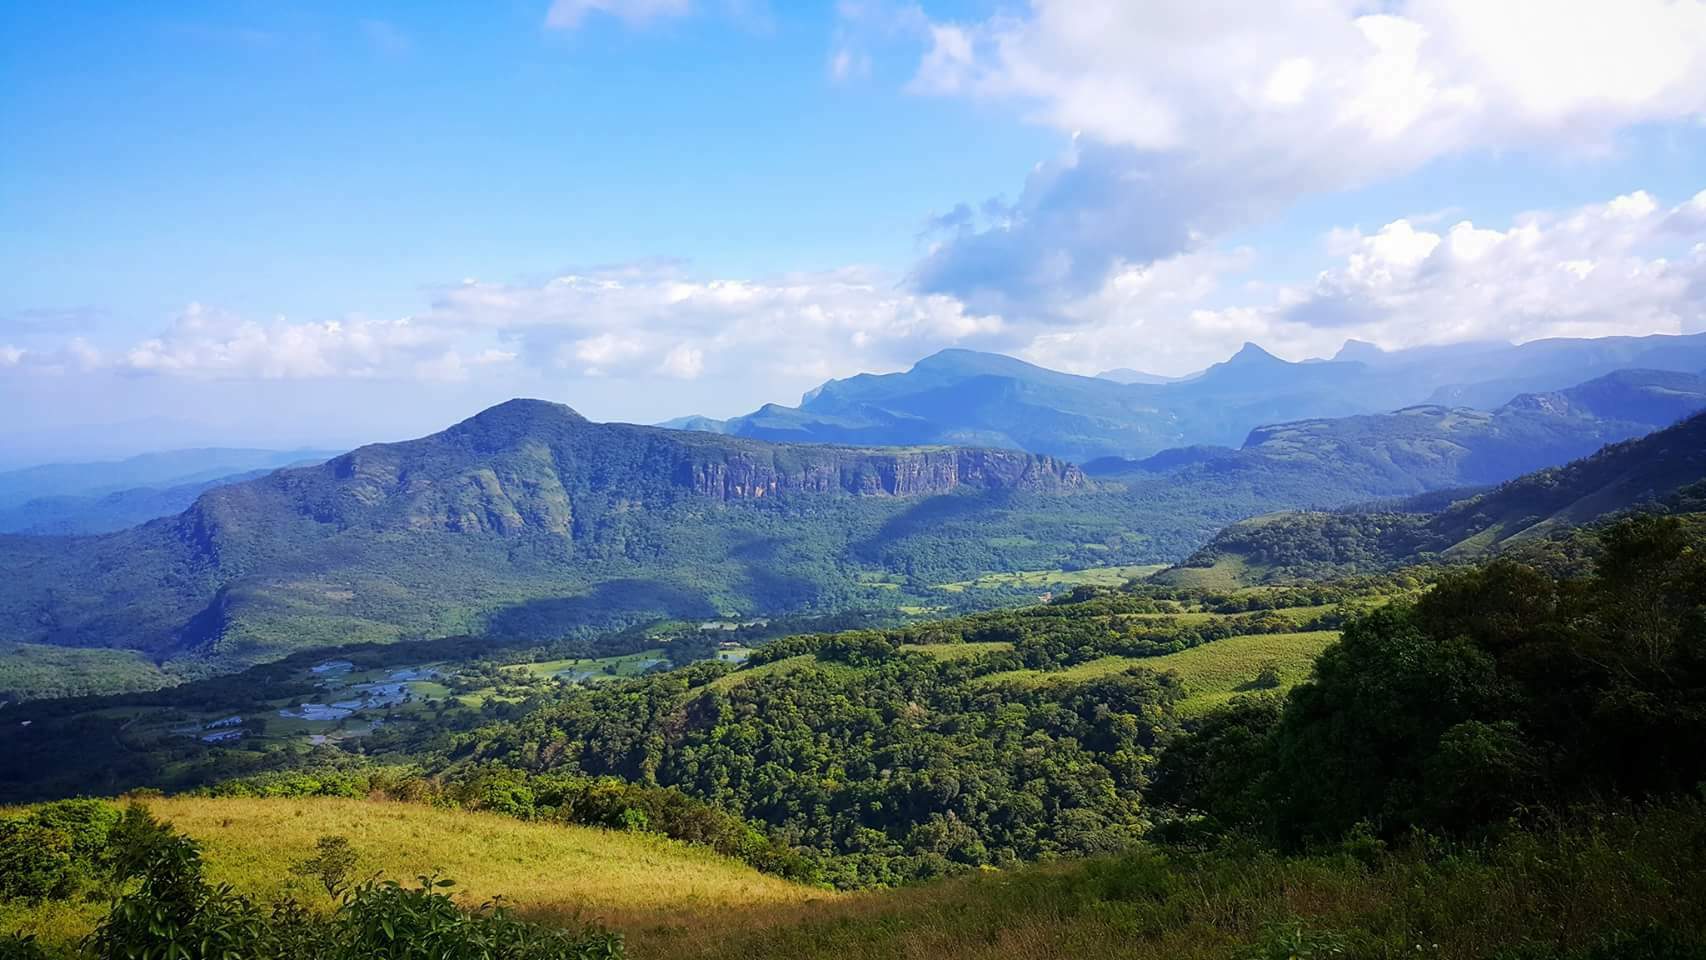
x,y
1664,470
528,520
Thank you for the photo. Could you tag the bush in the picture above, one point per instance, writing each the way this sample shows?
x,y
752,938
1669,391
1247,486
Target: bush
x,y
176,915
53,852
331,865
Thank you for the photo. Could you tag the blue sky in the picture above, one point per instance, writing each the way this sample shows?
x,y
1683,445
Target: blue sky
x,y
325,223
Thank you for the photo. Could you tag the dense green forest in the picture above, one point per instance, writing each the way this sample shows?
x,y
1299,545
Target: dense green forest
x,y
1463,711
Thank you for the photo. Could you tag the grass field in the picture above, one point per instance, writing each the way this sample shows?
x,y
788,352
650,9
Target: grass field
x,y
804,661
629,665
1228,574
652,889
1213,673
1044,579
1554,890
1216,672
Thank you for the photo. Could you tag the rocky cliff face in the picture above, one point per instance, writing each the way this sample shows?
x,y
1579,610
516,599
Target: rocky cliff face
x,y
527,467
756,474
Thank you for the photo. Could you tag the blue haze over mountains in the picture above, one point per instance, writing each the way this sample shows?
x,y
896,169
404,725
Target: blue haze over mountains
x,y
965,397
528,522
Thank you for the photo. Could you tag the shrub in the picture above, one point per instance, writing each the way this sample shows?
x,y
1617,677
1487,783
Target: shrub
x,y
331,865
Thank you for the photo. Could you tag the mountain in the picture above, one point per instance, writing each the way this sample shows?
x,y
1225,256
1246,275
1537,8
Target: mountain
x,y
1128,375
528,520
171,468
1431,447
1663,470
82,515
966,397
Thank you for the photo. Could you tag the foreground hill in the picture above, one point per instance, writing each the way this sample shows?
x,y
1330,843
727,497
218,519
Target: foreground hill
x,y
1585,890
528,520
1664,470
962,396
649,887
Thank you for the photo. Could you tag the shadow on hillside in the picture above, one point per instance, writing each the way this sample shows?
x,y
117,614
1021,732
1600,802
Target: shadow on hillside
x,y
776,574
929,516
611,603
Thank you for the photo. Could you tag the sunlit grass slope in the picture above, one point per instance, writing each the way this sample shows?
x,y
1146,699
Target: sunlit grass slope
x,y
1213,672
648,887
1216,672
1536,894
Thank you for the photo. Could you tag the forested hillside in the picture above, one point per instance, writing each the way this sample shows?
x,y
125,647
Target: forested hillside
x,y
528,522
1662,471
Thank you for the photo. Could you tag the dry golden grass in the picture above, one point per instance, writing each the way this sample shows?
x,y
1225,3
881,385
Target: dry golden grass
x,y
651,889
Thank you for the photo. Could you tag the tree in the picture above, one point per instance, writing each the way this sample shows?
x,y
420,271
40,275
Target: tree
x,y
332,864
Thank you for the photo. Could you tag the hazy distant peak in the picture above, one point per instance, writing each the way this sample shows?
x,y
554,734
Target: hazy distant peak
x,y
1128,375
1354,350
961,360
1251,353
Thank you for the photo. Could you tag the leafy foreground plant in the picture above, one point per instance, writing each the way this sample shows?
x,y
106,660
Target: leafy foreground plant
x,y
175,914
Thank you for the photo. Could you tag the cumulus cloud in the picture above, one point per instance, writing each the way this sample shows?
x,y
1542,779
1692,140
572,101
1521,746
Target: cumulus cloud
x,y
649,319
568,14
1627,266
1187,115
206,342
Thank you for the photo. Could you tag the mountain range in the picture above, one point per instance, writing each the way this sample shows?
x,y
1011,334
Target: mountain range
x,y
1664,471
527,521
99,497
966,397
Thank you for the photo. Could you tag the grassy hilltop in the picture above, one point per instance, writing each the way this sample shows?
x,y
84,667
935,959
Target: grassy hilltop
x,y
654,890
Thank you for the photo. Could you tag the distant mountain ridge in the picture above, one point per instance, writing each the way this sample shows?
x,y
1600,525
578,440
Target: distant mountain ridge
x,y
170,468
528,521
966,397
1665,470
82,515
1429,447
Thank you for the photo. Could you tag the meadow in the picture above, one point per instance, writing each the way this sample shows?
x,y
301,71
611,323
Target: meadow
x,y
1609,884
653,889
1212,673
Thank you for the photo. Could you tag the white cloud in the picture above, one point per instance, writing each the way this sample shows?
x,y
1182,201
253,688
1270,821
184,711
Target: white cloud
x,y
1630,265
645,319
683,362
204,342
1191,117
1614,268
568,14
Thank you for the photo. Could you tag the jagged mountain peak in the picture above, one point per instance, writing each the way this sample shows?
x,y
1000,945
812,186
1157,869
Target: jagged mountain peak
x,y
1250,353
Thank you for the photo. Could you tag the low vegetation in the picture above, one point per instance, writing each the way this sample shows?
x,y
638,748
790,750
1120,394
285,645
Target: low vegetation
x,y
649,887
